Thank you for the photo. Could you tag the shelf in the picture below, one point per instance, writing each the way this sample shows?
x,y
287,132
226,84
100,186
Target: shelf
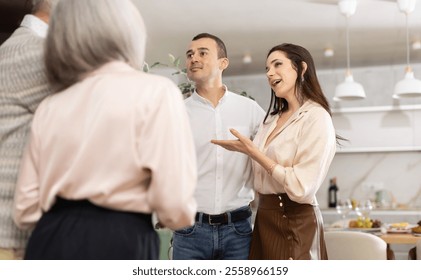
x,y
377,149
392,212
376,109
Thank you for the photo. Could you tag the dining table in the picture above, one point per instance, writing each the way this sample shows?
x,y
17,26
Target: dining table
x,y
399,239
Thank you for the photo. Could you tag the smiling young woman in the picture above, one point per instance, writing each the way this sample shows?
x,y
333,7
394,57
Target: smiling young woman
x,y
291,153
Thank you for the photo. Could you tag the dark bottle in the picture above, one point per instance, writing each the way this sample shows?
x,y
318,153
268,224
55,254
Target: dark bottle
x,y
333,193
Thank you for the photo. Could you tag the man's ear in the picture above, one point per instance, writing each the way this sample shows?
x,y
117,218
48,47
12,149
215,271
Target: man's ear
x,y
223,63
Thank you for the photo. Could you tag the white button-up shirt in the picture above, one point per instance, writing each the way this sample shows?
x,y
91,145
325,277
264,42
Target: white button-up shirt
x,y
225,180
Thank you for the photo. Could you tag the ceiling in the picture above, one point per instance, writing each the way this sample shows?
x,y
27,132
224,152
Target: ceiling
x,y
377,30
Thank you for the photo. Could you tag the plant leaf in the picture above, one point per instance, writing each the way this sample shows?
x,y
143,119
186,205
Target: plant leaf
x,y
155,64
177,62
145,67
172,58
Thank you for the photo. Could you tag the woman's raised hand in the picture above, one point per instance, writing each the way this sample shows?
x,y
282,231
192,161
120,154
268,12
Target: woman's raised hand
x,y
242,144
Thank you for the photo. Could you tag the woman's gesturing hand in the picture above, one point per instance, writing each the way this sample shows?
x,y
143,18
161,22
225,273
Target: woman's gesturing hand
x,y
242,144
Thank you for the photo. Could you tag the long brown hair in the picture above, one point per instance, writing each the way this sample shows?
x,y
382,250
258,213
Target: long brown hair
x,y
307,85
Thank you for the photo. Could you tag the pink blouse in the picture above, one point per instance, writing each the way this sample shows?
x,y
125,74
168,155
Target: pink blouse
x,y
303,150
121,139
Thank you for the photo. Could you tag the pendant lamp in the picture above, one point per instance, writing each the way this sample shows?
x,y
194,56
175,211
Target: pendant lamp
x,y
349,89
409,86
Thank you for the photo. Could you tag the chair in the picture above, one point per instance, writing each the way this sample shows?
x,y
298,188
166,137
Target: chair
x,y
418,249
353,245
415,252
165,236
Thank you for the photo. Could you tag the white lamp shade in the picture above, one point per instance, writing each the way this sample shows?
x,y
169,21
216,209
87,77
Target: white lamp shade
x,y
408,87
347,7
406,6
349,90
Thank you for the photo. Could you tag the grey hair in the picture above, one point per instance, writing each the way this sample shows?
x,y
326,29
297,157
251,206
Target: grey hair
x,y
43,5
83,35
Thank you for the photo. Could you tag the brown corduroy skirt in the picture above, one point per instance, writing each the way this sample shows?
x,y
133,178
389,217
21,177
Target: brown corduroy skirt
x,y
285,229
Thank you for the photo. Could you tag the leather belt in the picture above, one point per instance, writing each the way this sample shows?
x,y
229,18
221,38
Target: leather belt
x,y
220,219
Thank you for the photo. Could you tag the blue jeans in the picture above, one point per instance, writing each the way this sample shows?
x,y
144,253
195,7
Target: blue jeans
x,y
205,241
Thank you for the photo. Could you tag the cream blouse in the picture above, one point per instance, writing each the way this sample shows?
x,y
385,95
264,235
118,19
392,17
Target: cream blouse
x,y
121,139
303,149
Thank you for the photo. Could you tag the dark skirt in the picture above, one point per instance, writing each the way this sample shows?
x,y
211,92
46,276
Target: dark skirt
x,y
285,229
79,230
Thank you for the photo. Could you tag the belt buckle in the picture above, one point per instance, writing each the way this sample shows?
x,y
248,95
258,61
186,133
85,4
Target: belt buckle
x,y
212,223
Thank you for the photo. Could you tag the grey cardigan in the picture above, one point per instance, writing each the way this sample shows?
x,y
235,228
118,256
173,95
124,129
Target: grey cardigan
x,y
23,85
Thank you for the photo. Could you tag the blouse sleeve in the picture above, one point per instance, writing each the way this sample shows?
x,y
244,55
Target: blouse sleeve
x,y
315,151
166,148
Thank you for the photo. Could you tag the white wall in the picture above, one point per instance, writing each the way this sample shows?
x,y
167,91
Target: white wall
x,y
378,83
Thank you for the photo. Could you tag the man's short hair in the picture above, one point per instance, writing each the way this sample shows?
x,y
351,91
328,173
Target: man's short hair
x,y
222,50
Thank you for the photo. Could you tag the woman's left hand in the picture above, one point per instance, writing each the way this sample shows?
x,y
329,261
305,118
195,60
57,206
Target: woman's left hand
x,y
243,144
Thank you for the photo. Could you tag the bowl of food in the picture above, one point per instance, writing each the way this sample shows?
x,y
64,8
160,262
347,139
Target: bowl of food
x,y
364,224
401,227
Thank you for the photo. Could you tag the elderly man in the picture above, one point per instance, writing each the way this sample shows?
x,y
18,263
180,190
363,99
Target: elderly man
x,y
23,85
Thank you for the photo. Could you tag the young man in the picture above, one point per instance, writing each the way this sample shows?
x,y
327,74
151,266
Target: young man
x,y
23,85
224,191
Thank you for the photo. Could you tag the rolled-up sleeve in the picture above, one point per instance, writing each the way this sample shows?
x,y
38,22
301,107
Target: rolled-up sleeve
x,y
166,148
27,208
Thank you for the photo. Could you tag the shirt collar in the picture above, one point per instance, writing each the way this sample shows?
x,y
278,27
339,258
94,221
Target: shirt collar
x,y
299,113
199,98
35,24
308,105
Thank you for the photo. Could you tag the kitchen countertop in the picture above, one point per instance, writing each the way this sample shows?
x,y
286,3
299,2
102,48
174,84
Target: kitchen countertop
x,y
382,210
411,216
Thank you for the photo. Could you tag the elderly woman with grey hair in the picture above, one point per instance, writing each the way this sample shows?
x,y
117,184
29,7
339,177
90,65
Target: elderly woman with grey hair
x,y
109,148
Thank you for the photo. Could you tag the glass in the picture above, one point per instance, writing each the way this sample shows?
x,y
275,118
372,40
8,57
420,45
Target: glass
x,y
364,208
343,207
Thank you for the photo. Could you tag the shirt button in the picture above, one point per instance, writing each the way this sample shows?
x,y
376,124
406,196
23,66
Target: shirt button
x,y
281,204
283,216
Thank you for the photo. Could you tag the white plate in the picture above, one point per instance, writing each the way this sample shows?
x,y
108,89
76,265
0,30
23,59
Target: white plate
x,y
407,229
416,234
398,230
364,229
352,229
334,229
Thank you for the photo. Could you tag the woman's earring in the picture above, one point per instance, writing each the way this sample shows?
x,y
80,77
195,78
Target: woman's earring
x,y
302,79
